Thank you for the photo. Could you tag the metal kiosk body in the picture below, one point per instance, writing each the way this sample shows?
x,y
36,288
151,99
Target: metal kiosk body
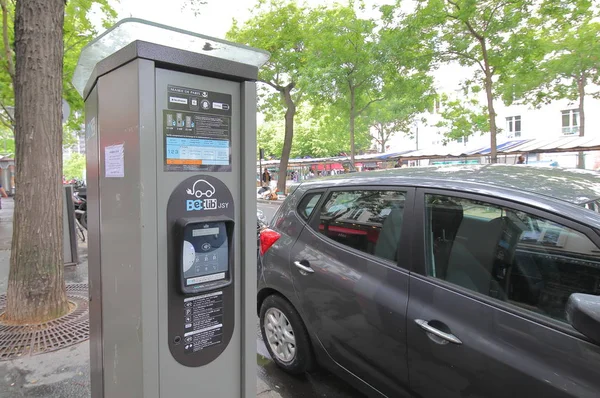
x,y
171,159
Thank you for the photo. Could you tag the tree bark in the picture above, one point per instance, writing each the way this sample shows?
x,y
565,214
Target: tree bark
x,y
490,101
289,135
581,89
36,287
352,117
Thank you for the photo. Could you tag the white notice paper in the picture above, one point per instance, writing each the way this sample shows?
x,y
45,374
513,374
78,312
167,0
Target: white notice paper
x,y
114,161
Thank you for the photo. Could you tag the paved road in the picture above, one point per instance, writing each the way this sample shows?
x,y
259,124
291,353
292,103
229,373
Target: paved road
x,y
268,209
318,384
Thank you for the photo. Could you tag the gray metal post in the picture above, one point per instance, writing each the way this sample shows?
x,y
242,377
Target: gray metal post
x,y
170,140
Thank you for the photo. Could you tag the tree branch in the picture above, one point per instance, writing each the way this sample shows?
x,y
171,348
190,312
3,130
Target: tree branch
x,y
487,23
7,124
72,46
8,115
4,122
7,49
275,86
368,104
470,57
466,22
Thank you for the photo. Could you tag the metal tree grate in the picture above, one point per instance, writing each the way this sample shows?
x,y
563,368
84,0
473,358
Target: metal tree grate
x,y
73,328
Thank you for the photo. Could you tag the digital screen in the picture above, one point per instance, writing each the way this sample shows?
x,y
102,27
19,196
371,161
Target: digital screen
x,y
205,253
205,232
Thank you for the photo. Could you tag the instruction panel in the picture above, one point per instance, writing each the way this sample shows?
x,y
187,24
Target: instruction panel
x,y
197,130
203,321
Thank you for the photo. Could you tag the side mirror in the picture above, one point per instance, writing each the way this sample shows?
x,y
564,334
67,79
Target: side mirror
x,y
583,313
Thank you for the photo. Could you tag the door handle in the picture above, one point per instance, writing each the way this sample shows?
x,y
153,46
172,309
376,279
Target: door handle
x,y
436,332
303,267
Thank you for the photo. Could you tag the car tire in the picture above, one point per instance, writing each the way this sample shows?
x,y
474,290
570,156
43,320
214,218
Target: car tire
x,y
303,358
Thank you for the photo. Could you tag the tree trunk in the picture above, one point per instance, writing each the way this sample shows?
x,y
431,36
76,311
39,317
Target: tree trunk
x,y
383,138
289,135
36,287
581,88
352,117
492,118
490,101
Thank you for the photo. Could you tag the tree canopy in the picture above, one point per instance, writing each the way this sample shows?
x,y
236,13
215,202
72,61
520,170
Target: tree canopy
x,y
78,30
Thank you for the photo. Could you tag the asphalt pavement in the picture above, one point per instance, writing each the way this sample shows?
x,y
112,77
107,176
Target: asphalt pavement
x,y
65,373
269,207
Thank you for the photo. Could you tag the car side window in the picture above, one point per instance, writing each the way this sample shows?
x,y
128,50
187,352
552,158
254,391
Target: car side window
x,y
307,204
509,255
369,221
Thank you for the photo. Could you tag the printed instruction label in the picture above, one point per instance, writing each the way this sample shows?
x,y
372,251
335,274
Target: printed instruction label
x,y
203,321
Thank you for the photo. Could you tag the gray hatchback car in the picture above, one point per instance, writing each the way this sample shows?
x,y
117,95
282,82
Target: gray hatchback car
x,y
439,282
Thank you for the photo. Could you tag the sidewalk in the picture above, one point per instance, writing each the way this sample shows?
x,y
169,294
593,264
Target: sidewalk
x,y
64,373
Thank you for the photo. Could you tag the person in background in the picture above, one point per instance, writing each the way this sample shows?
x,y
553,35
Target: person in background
x,y
521,159
2,194
398,164
266,178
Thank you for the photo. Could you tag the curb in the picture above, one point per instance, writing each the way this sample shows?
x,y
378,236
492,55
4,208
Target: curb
x,y
272,202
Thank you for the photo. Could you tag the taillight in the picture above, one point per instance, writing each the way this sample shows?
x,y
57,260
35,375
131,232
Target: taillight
x,y
267,238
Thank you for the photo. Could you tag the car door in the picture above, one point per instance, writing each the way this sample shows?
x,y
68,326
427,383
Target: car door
x,y
486,315
350,272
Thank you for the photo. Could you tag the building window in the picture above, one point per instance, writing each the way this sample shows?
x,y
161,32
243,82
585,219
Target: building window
x,y
570,122
462,140
513,126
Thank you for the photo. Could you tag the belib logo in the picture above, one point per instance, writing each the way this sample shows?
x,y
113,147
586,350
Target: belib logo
x,y
201,188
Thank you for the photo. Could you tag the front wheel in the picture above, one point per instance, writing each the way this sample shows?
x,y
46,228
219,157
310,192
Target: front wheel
x,y
285,336
84,220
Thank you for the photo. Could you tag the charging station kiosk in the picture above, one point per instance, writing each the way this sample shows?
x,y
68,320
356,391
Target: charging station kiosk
x,y
171,160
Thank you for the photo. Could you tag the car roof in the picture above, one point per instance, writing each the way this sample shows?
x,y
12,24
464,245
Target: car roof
x,y
574,186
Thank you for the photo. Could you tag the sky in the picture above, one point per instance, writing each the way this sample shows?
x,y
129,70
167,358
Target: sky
x,y
216,17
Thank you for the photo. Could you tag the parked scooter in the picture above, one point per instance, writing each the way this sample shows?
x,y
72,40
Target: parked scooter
x,y
80,202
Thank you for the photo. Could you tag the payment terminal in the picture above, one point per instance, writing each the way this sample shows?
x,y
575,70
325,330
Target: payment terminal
x,y
204,255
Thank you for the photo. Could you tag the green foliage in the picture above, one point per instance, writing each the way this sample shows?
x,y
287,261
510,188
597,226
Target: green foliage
x,y
323,137
7,8
461,119
280,28
78,31
482,34
7,142
327,135
270,138
561,52
74,166
346,70
399,110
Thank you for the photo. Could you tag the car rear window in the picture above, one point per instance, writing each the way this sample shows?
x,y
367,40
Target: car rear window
x,y
369,220
307,204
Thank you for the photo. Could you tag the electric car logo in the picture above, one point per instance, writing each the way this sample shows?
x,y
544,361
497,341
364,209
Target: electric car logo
x,y
201,188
